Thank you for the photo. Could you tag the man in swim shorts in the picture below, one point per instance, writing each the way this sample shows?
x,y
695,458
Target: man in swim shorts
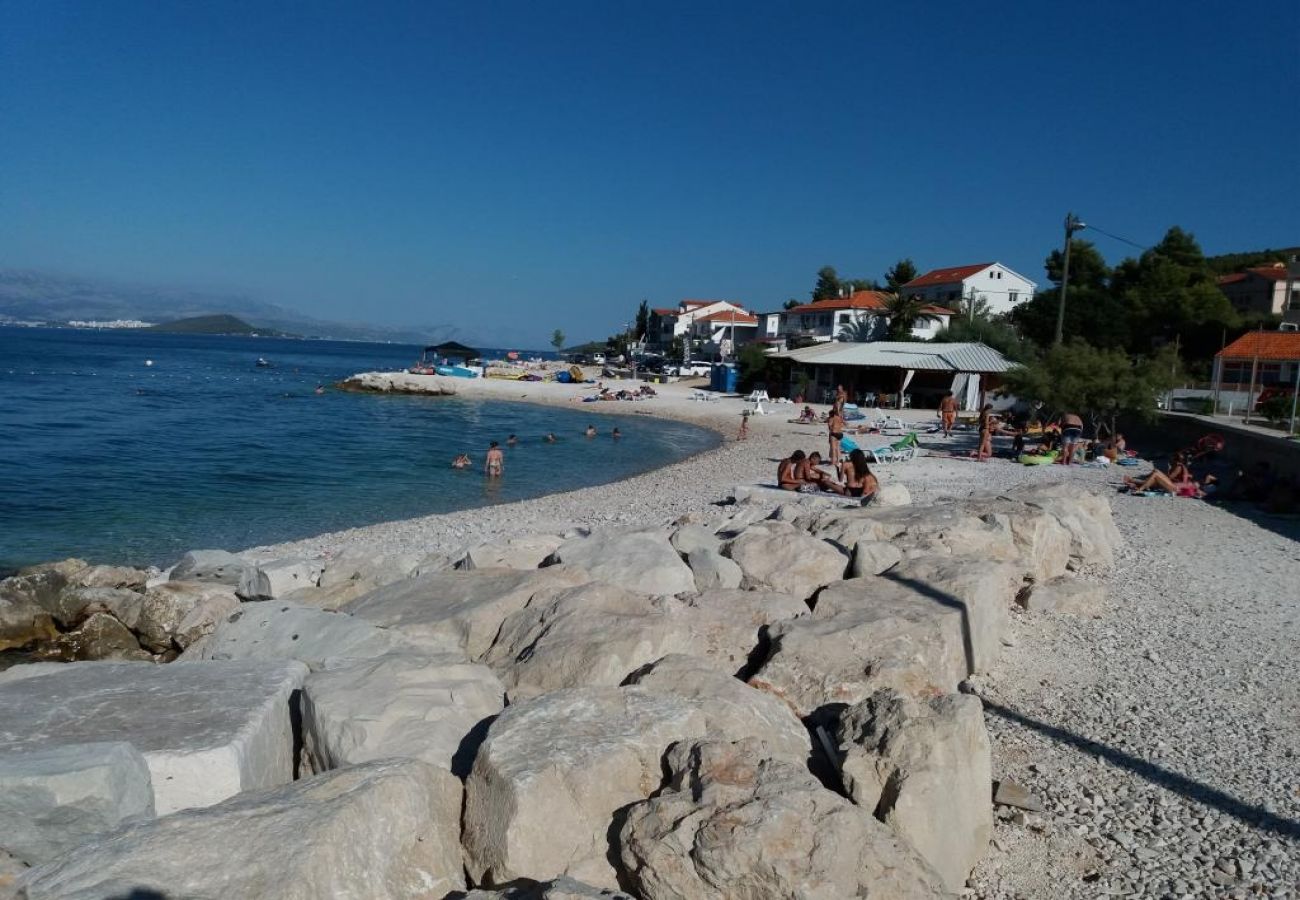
x,y
948,413
1071,434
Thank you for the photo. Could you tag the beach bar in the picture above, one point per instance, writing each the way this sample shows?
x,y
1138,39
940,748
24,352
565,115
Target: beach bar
x,y
898,373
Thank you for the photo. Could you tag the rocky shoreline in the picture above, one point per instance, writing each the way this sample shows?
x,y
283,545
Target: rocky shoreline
x,y
674,686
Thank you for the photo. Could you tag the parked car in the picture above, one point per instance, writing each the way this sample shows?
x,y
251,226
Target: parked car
x,y
691,370
598,359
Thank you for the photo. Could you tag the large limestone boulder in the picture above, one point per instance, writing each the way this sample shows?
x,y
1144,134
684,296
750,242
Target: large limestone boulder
x,y
166,606
982,590
54,798
207,730
63,567
109,577
282,630
941,529
459,610
592,634
554,771
864,634
23,622
732,709
636,559
894,494
690,537
1044,544
1086,515
432,708
521,551
74,604
779,557
99,637
873,558
734,825
923,767
218,566
371,567
39,588
385,830
726,627
712,570
275,579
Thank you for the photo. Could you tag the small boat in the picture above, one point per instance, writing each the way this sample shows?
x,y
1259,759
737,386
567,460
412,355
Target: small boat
x,y
262,363
457,371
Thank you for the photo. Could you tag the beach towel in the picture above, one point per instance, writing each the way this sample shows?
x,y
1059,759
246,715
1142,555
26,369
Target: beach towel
x,y
848,445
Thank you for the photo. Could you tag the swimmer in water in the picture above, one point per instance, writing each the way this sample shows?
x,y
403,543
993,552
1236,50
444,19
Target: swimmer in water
x,y
494,464
591,431
461,462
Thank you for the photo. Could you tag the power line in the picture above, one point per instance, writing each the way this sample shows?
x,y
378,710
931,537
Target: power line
x,y
1092,227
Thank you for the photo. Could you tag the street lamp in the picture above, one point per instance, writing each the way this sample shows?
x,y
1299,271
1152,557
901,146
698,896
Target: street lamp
x,y
1072,224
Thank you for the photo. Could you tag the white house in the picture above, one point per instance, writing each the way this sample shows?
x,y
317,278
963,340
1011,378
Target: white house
x,y
828,320
994,282
667,324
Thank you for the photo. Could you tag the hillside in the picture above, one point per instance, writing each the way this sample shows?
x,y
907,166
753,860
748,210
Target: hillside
x,y
221,324
1227,263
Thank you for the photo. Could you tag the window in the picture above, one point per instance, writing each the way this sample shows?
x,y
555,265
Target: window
x,y
844,318
1013,296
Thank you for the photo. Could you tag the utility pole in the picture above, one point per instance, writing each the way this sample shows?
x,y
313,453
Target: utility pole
x,y
1072,224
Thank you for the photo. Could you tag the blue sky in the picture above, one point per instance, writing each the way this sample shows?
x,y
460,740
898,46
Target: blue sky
x,y
517,167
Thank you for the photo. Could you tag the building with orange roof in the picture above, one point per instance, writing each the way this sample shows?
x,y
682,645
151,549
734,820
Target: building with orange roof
x,y
666,324
998,285
1273,290
844,318
1260,359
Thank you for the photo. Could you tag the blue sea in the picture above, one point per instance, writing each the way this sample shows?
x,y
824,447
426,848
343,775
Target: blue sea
x,y
107,457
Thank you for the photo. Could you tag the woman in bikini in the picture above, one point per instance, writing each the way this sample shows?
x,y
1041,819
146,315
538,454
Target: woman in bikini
x,y
1178,482
494,465
835,427
987,424
858,480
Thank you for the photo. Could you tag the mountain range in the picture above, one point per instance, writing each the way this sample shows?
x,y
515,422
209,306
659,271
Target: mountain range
x,y
27,297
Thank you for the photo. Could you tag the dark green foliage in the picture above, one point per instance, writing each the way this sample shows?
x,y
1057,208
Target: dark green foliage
x,y
1239,262
753,364
904,312
995,332
642,319
557,340
828,284
213,325
1276,408
791,303
899,274
1099,384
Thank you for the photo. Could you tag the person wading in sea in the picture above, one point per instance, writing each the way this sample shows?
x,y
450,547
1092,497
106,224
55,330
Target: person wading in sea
x,y
494,464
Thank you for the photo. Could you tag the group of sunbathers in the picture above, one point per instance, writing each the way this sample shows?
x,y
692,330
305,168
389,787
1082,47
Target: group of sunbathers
x,y
802,472
604,393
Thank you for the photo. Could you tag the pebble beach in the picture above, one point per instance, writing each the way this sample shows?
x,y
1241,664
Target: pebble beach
x,y
1188,676
1140,741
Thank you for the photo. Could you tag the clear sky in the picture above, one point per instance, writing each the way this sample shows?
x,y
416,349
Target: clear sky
x,y
517,167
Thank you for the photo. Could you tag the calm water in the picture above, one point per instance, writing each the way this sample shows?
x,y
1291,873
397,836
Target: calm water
x,y
106,458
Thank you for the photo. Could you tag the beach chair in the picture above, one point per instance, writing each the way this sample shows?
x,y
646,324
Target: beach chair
x,y
887,423
757,396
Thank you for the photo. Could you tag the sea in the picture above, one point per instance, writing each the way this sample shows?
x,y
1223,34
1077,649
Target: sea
x,y
132,447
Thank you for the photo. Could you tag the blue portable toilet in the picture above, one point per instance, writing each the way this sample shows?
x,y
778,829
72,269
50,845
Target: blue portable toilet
x,y
724,378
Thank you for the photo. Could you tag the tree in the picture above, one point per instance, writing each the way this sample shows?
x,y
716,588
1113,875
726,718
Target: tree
x,y
752,361
1087,266
996,332
557,340
860,331
677,349
899,274
828,284
1099,384
861,284
904,313
791,303
642,320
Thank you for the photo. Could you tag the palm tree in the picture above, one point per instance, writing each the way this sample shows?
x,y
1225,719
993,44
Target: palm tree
x,y
904,313
859,331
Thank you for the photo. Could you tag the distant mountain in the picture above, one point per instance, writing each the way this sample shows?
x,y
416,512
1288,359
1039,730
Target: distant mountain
x,y
222,324
56,299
